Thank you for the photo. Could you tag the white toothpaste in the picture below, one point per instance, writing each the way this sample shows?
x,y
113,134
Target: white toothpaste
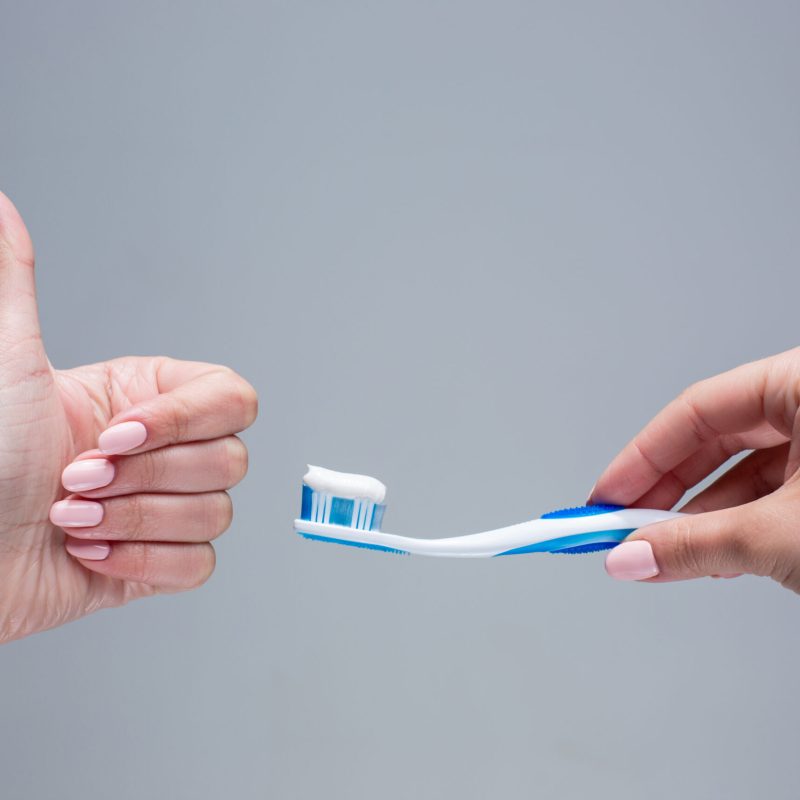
x,y
344,484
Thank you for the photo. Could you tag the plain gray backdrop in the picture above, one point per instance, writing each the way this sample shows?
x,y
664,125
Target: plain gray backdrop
x,y
469,248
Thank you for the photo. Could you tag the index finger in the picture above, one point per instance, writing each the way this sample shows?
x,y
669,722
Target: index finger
x,y
733,402
198,402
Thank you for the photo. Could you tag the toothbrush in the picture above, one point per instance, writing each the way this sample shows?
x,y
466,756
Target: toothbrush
x,y
348,509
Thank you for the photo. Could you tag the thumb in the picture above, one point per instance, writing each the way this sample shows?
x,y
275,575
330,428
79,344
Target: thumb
x,y
745,538
19,319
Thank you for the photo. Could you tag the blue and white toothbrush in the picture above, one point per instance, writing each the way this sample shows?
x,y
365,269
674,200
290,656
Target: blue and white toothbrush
x,y
347,509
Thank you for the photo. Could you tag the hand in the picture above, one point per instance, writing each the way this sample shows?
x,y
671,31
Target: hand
x,y
135,524
748,521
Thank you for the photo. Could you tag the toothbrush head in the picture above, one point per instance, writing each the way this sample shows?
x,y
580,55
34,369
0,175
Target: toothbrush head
x,y
344,500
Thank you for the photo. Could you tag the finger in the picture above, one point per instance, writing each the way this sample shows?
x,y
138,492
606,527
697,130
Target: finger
x,y
214,402
760,474
146,517
675,483
194,467
733,402
166,567
672,486
743,539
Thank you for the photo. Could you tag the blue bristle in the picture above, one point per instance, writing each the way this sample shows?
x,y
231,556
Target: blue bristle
x,y
305,506
330,540
586,548
344,512
581,511
341,511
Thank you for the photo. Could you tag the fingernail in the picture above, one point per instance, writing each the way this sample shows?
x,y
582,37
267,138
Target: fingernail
x,y
90,551
632,561
591,493
91,473
122,437
731,574
76,513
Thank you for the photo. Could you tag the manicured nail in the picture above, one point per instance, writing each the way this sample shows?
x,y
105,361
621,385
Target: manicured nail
x,y
121,438
90,551
76,513
91,473
632,561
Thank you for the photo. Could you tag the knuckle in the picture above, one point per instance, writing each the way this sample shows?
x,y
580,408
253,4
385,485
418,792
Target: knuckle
x,y
743,547
693,393
143,563
236,460
154,470
180,419
775,552
686,553
203,569
742,539
250,402
241,399
690,392
245,397
135,516
703,432
223,513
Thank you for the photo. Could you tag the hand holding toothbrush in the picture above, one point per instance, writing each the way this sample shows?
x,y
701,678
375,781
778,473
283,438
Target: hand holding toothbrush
x,y
147,450
748,521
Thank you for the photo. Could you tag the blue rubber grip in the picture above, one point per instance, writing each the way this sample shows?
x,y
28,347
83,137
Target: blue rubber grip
x,y
582,511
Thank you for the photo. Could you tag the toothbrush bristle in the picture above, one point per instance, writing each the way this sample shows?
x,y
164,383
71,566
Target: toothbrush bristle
x,y
313,537
364,515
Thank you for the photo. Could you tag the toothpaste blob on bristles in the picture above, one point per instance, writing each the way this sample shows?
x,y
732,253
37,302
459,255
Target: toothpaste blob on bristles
x,y
344,484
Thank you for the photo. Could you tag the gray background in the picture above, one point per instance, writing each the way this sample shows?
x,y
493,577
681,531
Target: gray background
x,y
469,248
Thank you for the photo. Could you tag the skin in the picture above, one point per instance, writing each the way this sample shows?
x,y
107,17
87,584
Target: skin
x,y
748,521
167,498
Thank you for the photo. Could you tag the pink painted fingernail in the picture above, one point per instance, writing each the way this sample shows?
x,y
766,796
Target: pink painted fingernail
x,y
90,551
122,437
632,561
76,513
91,473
